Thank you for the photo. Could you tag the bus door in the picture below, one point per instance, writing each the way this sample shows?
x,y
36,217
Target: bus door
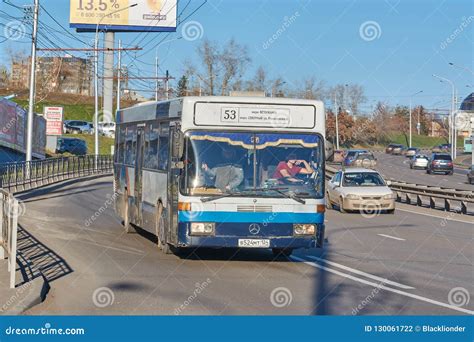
x,y
174,173
138,173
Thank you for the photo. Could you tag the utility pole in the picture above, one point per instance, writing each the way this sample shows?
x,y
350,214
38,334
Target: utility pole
x,y
410,120
157,80
119,75
167,85
450,118
31,102
337,122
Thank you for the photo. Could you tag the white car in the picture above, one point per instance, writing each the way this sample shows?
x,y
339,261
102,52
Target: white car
x,y
419,161
107,129
360,189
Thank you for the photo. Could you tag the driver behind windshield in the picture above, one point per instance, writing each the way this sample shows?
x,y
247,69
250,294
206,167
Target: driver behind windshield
x,y
287,170
227,175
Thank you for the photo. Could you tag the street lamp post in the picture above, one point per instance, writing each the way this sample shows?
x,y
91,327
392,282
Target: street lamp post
x,y
96,79
410,128
450,121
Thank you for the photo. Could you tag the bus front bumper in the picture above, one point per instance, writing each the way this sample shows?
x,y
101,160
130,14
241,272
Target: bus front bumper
x,y
270,236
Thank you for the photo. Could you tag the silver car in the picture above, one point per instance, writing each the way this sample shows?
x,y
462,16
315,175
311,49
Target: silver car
x,y
419,161
360,189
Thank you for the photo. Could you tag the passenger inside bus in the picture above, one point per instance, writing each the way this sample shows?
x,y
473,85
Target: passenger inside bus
x,y
286,171
227,175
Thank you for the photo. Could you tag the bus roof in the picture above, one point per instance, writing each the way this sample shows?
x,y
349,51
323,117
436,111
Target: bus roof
x,y
207,111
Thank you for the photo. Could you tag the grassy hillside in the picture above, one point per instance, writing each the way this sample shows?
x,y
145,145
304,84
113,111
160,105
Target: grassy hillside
x,y
421,141
79,111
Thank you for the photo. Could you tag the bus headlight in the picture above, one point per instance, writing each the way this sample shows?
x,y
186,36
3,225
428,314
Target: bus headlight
x,y
304,229
202,228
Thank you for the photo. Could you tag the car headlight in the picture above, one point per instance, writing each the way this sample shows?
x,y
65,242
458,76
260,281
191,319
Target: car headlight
x,y
304,229
202,228
353,197
389,196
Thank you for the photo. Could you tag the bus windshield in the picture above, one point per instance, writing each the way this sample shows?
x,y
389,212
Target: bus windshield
x,y
253,164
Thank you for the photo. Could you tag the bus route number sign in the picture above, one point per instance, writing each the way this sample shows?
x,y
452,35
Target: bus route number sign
x,y
230,115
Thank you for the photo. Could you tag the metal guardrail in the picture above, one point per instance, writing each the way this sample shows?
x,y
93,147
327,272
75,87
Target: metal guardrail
x,y
426,195
21,176
8,231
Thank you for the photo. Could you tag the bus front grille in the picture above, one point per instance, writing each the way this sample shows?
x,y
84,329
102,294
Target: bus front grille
x,y
255,208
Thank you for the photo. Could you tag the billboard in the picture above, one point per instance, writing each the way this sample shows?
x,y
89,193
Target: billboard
x,y
54,120
147,15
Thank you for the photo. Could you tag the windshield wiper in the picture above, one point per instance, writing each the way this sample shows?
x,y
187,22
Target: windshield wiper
x,y
281,191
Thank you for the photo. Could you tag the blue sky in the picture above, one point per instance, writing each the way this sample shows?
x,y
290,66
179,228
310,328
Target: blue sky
x,y
410,41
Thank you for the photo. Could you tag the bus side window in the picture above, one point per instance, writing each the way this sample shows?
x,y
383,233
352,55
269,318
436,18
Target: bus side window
x,y
121,144
151,152
130,145
163,155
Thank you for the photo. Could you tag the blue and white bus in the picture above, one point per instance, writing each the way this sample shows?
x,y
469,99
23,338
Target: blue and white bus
x,y
241,172
467,145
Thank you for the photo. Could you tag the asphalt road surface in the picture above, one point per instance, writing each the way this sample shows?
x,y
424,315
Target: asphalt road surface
x,y
397,167
414,262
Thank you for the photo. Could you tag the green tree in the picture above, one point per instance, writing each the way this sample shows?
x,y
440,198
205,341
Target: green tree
x,y
183,86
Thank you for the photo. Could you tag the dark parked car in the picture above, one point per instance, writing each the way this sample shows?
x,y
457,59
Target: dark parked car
x,y
351,155
77,127
389,148
398,149
74,146
470,175
440,162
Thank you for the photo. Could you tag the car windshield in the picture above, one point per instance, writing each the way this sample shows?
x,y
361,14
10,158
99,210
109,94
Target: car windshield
x,y
442,157
421,157
253,164
362,179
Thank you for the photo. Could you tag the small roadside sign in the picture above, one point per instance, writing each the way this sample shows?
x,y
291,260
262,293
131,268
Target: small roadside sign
x,y
54,120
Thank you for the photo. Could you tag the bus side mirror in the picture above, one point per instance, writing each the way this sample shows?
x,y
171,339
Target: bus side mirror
x,y
178,144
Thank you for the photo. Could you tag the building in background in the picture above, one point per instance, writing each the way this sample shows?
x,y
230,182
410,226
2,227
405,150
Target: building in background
x,y
67,74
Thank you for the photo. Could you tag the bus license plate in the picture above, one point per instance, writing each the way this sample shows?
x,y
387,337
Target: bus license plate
x,y
254,243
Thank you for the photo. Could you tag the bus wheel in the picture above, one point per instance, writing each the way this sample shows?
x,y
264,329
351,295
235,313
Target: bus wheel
x,y
161,230
282,252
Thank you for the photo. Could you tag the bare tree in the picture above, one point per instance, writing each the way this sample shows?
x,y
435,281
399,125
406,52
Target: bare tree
x,y
233,59
260,81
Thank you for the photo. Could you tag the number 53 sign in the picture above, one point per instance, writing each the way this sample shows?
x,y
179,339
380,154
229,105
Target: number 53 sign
x,y
117,16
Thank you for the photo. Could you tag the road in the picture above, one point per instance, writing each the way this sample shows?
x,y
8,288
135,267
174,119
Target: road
x,y
397,167
401,264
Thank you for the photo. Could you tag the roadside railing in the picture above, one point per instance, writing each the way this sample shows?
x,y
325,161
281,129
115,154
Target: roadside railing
x,y
21,176
426,195
8,231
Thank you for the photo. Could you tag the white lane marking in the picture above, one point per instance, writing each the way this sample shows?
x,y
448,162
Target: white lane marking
x,y
391,237
381,286
447,218
368,275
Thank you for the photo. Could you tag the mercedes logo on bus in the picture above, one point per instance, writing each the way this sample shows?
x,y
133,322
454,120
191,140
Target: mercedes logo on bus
x,y
254,229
